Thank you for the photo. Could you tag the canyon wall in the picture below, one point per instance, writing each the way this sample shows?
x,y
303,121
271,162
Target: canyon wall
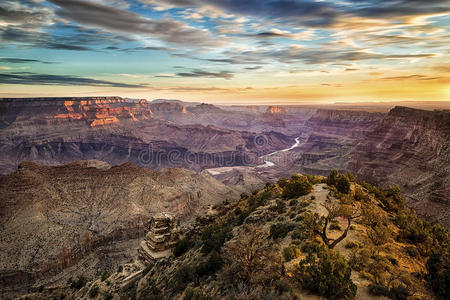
x,y
54,131
411,148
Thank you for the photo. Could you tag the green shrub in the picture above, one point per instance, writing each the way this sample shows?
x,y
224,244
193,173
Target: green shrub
x,y
214,236
280,230
182,246
280,207
310,247
195,293
213,264
352,245
120,269
296,187
412,251
293,202
290,252
93,292
327,275
438,267
343,184
299,234
340,181
150,292
79,283
333,178
108,296
378,290
283,182
105,276
182,277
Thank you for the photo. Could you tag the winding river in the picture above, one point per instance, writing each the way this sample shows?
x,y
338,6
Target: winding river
x,y
267,162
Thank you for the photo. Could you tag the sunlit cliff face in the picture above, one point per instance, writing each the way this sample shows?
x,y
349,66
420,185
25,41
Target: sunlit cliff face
x,y
255,51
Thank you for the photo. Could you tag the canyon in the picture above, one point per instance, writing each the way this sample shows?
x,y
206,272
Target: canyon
x,y
81,175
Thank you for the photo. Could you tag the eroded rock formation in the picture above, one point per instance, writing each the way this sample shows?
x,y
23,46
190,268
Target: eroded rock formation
x,y
159,240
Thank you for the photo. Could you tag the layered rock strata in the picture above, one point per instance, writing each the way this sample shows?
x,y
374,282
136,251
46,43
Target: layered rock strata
x,y
159,240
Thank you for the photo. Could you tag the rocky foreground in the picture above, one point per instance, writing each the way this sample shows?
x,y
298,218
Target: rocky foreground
x,y
302,238
83,217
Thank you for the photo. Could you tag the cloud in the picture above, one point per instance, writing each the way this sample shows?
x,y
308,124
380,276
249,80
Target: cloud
x,y
314,13
28,78
321,56
14,13
13,60
399,8
14,34
413,77
304,12
118,20
253,68
200,73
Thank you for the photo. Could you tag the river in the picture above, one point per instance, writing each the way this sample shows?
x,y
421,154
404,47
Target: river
x,y
267,163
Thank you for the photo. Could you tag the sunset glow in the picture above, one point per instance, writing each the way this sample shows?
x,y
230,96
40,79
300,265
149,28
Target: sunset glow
x,y
255,51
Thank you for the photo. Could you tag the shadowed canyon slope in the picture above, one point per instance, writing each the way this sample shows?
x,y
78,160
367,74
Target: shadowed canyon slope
x,y
411,148
53,218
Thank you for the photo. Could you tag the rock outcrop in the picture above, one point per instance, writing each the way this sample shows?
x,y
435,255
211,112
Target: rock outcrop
x,y
159,240
276,110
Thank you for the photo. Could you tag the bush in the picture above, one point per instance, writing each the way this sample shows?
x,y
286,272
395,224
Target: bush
x,y
327,275
213,264
438,267
296,187
378,290
79,283
108,296
343,184
182,277
195,294
93,292
290,252
299,234
293,202
310,247
182,246
280,230
105,276
412,251
280,207
214,236
352,245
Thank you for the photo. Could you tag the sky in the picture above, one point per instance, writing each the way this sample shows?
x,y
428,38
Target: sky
x,y
227,51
